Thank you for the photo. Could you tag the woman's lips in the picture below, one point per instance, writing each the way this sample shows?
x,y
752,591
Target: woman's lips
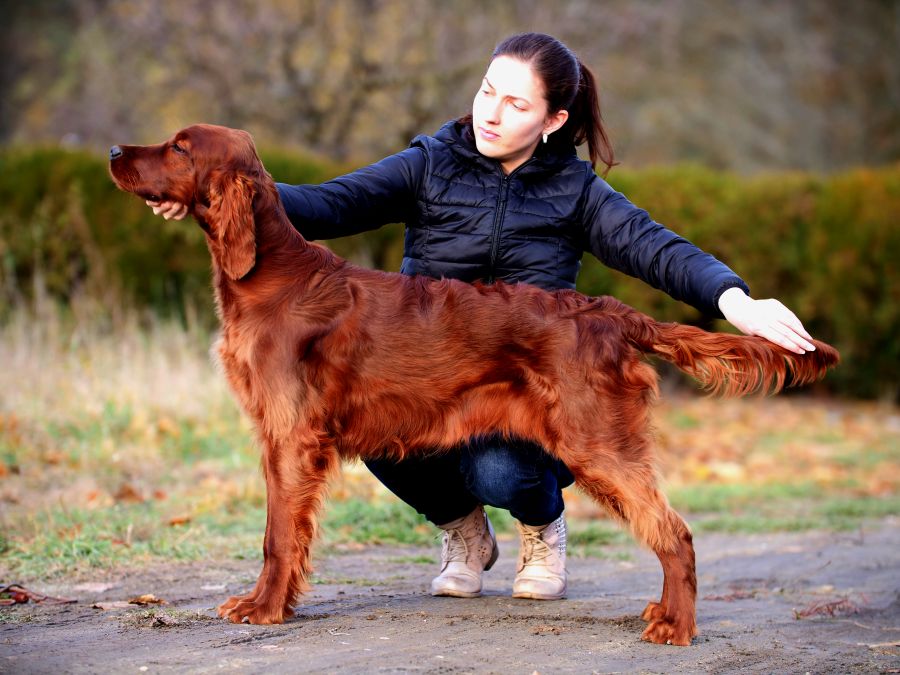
x,y
487,134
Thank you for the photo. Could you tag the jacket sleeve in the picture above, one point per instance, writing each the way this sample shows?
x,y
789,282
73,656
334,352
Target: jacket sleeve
x,y
625,238
366,199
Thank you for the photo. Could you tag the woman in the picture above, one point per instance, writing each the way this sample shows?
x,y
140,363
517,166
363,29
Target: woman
x,y
501,195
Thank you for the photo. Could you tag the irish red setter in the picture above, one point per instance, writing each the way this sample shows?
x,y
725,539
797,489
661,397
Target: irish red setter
x,y
333,361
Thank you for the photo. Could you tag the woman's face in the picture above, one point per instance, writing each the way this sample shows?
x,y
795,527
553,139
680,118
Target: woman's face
x,y
509,113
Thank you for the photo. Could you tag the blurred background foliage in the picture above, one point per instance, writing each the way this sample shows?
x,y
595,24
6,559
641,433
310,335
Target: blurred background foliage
x,y
766,132
743,85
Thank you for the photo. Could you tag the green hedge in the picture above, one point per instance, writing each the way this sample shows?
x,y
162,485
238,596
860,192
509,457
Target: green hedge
x,y
62,218
827,246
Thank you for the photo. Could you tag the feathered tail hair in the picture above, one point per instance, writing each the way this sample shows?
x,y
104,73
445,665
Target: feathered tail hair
x,y
730,365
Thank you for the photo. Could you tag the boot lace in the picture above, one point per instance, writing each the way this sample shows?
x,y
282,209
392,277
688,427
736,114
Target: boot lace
x,y
454,547
534,549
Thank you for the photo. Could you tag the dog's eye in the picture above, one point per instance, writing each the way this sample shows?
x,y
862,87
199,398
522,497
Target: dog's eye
x,y
177,148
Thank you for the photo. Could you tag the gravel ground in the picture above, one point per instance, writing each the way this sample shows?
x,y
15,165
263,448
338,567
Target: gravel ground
x,y
370,611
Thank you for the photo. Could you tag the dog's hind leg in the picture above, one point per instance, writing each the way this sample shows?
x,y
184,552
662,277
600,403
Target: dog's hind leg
x,y
629,491
296,482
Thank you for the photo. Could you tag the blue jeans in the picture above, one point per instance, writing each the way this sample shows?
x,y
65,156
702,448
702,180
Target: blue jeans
x,y
514,475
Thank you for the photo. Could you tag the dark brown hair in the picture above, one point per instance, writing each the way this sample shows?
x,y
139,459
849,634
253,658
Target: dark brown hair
x,y
568,85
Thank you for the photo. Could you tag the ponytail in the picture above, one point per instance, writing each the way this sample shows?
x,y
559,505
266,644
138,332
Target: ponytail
x,y
587,122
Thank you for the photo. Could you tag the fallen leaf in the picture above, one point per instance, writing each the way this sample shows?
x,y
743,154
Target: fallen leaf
x,y
127,493
179,520
13,598
146,599
54,457
15,594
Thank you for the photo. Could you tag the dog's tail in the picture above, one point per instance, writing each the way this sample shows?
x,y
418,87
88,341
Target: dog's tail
x,y
729,365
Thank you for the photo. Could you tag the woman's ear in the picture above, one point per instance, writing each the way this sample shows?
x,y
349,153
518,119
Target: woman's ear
x,y
555,121
232,230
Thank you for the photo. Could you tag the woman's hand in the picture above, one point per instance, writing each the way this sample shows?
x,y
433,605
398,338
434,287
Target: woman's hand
x,y
765,318
168,210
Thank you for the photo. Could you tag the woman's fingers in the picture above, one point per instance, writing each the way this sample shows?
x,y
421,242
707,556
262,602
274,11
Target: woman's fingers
x,y
788,325
785,329
790,320
782,334
168,210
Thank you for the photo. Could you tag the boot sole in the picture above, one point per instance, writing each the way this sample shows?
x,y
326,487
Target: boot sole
x,y
456,594
538,596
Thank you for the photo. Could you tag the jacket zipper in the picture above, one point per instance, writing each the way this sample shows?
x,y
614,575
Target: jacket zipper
x,y
499,215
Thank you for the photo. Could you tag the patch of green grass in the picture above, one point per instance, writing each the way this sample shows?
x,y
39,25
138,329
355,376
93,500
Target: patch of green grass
x,y
787,515
871,459
600,553
752,523
346,581
683,420
234,532
838,508
596,534
358,521
719,498
61,541
229,445
413,560
501,520
11,454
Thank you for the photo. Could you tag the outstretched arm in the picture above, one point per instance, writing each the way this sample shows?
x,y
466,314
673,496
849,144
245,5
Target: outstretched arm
x,y
625,237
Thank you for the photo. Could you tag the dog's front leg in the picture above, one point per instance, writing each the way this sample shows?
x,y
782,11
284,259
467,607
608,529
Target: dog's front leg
x,y
296,482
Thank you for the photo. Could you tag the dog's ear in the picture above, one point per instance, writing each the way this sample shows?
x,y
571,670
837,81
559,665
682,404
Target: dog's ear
x,y
232,231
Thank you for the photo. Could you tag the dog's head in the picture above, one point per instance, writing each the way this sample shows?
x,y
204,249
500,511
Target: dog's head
x,y
214,171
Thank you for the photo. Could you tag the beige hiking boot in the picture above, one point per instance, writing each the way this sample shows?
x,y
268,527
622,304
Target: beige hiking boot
x,y
542,561
469,548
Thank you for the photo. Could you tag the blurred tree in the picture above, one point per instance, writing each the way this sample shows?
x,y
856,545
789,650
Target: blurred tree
x,y
747,85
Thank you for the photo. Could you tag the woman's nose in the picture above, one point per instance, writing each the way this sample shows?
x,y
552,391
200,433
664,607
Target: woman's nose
x,y
493,113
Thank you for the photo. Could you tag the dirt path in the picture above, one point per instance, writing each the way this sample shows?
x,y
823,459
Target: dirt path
x,y
370,612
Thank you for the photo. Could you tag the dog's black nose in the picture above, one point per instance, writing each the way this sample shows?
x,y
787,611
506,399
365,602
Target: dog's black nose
x,y
115,152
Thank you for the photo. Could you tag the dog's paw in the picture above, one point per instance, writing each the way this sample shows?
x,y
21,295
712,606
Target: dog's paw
x,y
654,611
248,609
667,632
231,602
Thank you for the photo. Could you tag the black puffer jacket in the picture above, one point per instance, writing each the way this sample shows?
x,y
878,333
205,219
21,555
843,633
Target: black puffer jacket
x,y
467,220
